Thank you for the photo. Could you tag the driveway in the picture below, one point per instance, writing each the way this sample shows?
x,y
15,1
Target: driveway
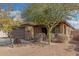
x,y
4,41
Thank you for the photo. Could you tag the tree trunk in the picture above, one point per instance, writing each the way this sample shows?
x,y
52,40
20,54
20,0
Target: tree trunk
x,y
49,36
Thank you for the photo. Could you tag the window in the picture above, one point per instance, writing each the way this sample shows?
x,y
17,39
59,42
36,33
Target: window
x,y
56,29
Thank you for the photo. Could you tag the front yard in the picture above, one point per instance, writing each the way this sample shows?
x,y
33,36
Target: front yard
x,y
56,49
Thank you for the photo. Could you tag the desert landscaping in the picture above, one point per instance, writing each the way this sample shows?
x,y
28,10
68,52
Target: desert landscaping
x,y
56,49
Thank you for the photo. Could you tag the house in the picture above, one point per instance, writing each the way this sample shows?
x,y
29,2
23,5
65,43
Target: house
x,y
75,35
29,30
64,28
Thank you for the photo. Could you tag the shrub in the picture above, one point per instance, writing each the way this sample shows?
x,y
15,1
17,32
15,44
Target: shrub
x,y
40,37
59,38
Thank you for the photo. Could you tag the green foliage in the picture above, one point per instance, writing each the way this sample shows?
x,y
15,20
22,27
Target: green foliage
x,y
8,24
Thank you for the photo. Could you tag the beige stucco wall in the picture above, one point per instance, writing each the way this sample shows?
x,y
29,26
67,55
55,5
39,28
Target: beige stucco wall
x,y
68,29
29,32
61,28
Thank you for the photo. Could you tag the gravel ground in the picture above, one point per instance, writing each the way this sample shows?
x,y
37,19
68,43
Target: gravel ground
x,y
56,49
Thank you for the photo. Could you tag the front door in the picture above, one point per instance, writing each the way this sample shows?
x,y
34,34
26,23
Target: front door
x,y
44,30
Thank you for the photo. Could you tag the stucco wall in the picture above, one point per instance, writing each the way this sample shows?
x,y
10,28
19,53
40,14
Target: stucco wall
x,y
67,28
29,32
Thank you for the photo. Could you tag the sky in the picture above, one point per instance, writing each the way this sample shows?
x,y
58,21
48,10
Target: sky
x,y
16,6
75,20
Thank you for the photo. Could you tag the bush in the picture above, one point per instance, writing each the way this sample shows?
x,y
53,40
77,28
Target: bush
x,y
17,41
59,38
40,37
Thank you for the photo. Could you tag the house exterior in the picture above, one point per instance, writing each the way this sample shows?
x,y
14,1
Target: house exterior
x,y
75,35
64,28
29,30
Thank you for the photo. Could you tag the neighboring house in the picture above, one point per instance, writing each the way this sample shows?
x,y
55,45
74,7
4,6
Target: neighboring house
x,y
29,30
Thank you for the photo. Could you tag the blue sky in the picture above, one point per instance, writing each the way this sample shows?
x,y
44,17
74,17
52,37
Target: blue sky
x,y
16,6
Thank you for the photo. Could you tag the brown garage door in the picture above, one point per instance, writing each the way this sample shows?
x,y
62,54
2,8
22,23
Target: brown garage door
x,y
18,33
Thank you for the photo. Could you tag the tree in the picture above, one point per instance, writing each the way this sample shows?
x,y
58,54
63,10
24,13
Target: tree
x,y
8,25
49,14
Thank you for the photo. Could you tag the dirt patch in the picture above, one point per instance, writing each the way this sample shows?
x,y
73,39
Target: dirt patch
x,y
56,49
